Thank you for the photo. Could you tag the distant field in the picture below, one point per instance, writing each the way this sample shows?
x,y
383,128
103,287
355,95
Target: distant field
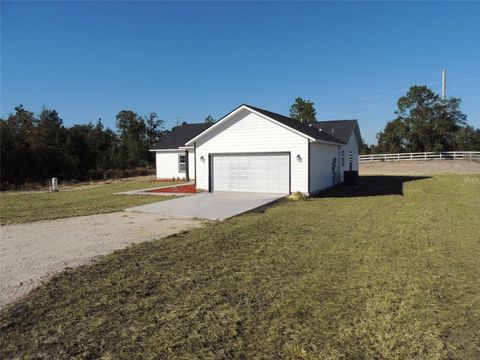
x,y
389,270
420,167
20,207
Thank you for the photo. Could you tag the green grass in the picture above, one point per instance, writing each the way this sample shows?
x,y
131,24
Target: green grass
x,y
20,207
355,274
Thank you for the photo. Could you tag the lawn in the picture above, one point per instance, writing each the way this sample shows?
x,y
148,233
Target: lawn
x,y
387,271
20,207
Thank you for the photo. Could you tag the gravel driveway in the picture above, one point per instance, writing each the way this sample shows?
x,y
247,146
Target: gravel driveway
x,y
31,253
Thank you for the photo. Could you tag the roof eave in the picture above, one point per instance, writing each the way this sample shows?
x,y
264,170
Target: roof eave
x,y
329,142
165,150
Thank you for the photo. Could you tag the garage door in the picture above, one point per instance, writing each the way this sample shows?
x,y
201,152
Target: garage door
x,y
251,173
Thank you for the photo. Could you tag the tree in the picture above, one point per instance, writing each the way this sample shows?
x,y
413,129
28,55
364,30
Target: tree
x,y
303,110
49,145
154,128
425,122
105,145
132,137
365,149
468,139
393,138
80,156
17,157
209,119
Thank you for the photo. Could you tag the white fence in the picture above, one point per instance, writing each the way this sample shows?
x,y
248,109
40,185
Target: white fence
x,y
447,155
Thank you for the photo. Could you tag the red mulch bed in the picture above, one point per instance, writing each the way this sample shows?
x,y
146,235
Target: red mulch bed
x,y
188,189
168,180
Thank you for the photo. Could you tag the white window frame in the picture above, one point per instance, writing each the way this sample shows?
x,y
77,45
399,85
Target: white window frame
x,y
182,166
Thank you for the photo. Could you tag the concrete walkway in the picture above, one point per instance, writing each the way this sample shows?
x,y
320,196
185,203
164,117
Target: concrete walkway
x,y
213,206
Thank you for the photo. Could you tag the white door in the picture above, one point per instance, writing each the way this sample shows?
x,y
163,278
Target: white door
x,y
251,173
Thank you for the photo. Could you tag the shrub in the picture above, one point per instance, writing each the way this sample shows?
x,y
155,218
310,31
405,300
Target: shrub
x,y
298,195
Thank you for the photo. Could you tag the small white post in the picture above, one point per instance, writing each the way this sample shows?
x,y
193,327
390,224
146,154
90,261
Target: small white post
x,y
54,185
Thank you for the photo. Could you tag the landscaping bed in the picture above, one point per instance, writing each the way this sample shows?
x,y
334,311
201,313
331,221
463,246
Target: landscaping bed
x,y
183,189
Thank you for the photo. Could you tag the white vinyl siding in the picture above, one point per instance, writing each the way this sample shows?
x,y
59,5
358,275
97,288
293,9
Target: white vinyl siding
x,y
351,146
251,173
191,164
247,132
321,159
167,164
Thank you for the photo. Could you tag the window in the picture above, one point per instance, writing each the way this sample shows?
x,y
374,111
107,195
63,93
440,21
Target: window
x,y
343,157
182,163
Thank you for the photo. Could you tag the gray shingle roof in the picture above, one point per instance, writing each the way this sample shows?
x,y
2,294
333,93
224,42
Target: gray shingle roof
x,y
181,135
340,129
297,125
332,130
336,131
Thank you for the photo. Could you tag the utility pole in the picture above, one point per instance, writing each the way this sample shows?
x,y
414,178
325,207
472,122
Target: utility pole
x,y
444,84
178,118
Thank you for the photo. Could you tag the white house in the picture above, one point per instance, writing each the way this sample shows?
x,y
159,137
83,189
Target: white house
x,y
255,150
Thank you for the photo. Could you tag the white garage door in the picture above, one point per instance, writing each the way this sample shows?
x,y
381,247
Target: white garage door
x,y
251,173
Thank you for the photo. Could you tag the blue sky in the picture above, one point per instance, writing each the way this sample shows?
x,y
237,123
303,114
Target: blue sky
x,y
352,59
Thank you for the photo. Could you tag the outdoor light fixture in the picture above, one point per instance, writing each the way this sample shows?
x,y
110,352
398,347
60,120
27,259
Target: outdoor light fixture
x,y
299,158
202,158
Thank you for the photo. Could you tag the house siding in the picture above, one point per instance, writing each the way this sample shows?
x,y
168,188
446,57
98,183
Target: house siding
x,y
247,132
167,164
321,158
352,146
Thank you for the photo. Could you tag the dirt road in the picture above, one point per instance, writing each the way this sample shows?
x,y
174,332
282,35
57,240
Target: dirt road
x,y
31,253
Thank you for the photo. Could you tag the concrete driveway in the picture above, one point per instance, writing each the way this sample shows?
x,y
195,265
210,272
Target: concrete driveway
x,y
213,206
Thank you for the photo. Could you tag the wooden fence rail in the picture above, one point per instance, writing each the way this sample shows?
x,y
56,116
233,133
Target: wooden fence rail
x,y
446,155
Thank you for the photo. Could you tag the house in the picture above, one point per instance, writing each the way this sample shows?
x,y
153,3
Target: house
x,y
255,150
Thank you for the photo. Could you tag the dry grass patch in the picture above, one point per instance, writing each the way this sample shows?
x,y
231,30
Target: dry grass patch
x,y
21,207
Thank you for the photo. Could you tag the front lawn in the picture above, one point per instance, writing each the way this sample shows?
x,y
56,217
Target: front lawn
x,y
358,274
20,207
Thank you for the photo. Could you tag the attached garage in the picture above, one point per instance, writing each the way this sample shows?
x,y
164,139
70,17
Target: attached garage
x,y
259,151
252,172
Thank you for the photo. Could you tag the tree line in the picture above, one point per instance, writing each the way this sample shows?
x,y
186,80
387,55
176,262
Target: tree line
x,y
36,148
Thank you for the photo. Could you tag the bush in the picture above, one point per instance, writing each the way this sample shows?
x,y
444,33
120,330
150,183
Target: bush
x,y
297,196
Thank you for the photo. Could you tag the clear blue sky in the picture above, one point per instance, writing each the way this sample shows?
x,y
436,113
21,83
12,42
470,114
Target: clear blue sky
x,y
92,59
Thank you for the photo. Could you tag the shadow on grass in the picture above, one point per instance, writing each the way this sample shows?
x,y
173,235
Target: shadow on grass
x,y
372,186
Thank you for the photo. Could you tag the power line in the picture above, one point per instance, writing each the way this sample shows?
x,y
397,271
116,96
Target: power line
x,y
373,112
378,86
374,96
417,80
